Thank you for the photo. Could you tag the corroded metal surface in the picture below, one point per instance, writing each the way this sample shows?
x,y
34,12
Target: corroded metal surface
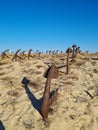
x,y
54,72
46,102
73,52
29,53
4,55
69,50
16,56
78,50
23,54
53,97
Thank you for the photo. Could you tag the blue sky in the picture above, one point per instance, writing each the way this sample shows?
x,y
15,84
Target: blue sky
x,y
48,24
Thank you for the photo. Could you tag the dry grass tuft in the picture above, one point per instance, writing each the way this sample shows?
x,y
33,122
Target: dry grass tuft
x,y
86,58
39,66
80,63
3,63
2,73
91,75
93,63
8,79
38,72
95,70
34,84
74,77
13,93
68,83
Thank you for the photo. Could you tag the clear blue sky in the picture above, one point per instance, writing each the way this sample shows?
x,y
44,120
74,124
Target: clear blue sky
x,y
48,24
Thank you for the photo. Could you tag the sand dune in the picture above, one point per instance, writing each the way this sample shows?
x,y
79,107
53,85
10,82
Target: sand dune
x,y
74,109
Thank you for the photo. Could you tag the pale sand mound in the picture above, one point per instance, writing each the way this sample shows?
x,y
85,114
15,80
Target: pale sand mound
x,y
74,108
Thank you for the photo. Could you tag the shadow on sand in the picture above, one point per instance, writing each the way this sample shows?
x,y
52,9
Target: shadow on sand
x,y
1,126
36,103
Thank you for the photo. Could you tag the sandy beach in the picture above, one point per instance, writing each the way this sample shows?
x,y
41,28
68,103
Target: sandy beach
x,y
76,107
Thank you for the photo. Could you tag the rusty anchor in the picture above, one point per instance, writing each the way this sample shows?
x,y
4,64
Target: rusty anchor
x,y
68,51
51,73
16,55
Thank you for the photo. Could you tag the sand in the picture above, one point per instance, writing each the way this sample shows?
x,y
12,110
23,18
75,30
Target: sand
x,y
74,108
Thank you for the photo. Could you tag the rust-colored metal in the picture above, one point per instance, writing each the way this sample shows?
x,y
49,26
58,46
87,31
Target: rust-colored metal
x,y
53,97
46,102
29,53
73,52
53,52
47,52
4,55
50,52
68,51
78,50
39,54
57,51
37,51
16,55
23,54
54,74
